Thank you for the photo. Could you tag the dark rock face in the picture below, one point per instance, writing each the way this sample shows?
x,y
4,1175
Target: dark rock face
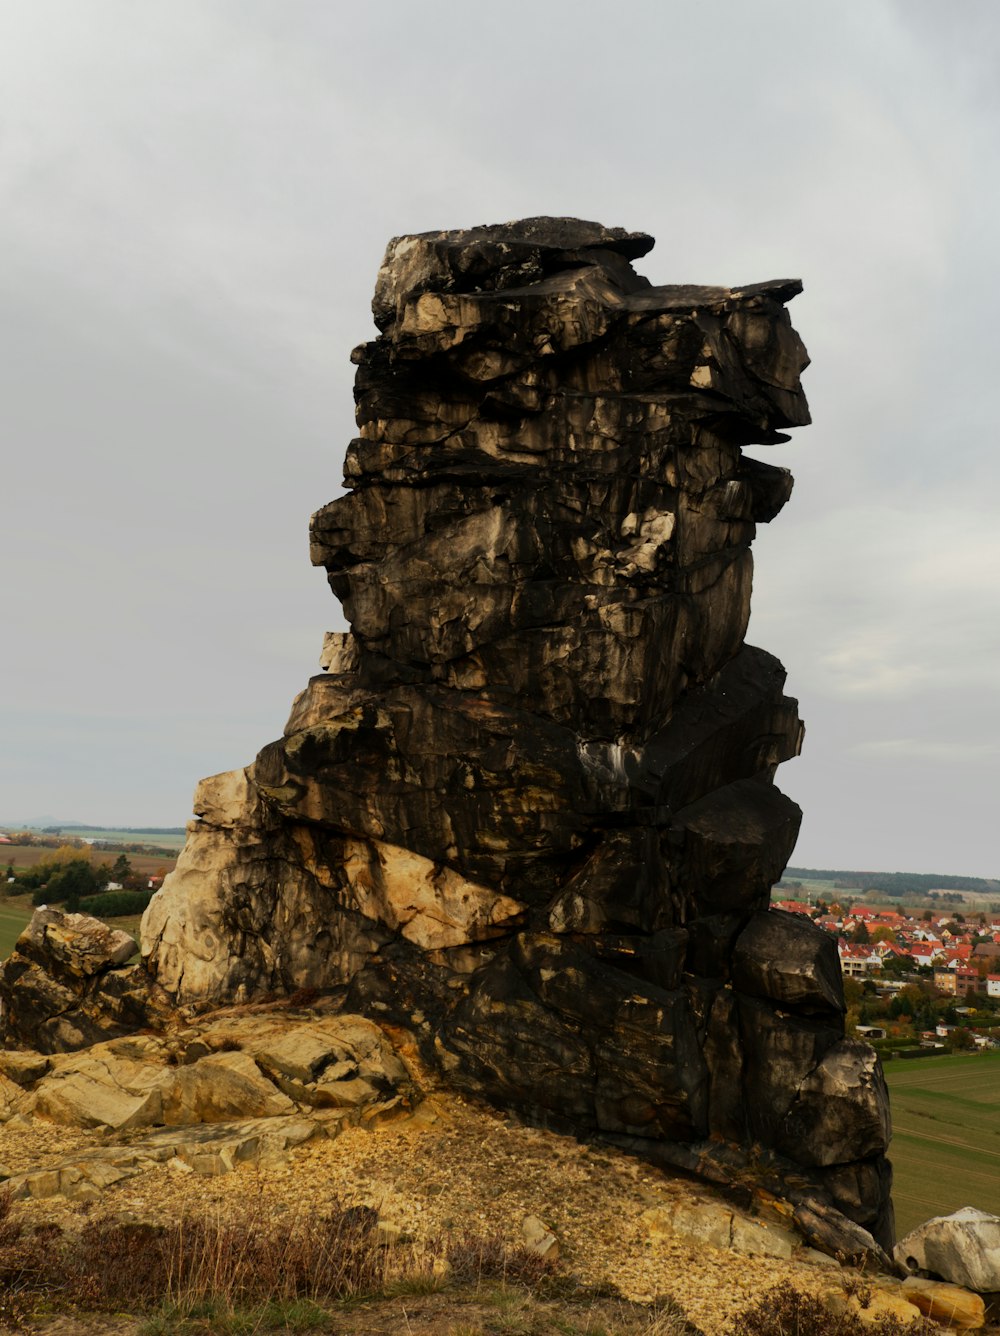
x,y
529,811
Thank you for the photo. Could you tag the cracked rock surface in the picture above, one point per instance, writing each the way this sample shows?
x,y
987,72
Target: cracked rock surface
x,y
527,812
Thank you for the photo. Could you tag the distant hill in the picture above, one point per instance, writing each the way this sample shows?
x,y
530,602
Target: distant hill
x,y
57,828
896,883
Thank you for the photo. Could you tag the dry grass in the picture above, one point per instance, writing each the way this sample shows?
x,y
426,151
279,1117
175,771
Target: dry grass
x,y
243,1274
784,1311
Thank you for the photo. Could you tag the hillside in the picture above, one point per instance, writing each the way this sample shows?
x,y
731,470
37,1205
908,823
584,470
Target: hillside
x,y
457,1169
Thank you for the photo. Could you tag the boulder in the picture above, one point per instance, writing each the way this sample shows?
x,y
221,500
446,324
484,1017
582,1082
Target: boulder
x,y
962,1248
948,1305
840,1112
539,1239
788,960
67,984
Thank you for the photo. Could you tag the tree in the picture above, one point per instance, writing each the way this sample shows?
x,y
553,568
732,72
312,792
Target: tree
x,y
853,992
68,884
861,936
122,872
962,1038
898,967
883,933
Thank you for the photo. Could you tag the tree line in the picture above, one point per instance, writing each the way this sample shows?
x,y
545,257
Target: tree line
x,y
68,878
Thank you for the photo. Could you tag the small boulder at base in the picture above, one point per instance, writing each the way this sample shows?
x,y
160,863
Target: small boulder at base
x,y
949,1305
963,1248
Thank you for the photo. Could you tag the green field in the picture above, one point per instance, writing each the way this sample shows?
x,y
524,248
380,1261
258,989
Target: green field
x,y
946,1135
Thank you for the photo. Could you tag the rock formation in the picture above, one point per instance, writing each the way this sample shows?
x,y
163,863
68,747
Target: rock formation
x,y
528,810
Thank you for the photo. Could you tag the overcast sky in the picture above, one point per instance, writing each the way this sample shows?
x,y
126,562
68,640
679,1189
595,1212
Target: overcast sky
x,y
195,198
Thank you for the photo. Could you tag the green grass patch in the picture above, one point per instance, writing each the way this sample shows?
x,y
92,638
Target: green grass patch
x,y
15,914
946,1135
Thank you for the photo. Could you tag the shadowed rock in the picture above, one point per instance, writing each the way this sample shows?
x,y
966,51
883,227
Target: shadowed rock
x,y
528,811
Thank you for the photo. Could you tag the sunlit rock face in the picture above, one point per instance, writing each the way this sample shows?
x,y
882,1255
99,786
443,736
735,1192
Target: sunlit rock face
x,y
528,809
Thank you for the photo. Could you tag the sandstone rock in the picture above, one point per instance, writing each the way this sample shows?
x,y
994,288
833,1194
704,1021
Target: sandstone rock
x,y
203,1149
218,1088
67,984
23,1068
243,1068
539,1239
879,1305
787,959
963,1248
813,1257
949,1305
704,1222
757,1239
82,945
841,1110
530,800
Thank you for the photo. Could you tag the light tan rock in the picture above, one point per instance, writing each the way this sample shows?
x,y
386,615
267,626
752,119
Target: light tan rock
x,y
339,653
697,1222
430,904
880,1303
24,1069
757,1239
212,1163
539,1239
206,1149
950,1305
963,1248
93,1092
220,1087
81,945
222,800
12,1098
813,1257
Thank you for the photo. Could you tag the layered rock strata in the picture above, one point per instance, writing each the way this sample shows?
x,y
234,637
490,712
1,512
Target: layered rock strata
x,y
528,810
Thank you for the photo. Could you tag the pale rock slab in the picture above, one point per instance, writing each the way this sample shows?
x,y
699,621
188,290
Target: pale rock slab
x,y
963,1248
428,903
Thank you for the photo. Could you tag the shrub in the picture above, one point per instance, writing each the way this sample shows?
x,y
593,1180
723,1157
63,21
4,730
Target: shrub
x,y
115,904
786,1311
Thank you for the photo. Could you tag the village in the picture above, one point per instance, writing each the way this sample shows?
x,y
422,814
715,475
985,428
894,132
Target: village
x,y
928,978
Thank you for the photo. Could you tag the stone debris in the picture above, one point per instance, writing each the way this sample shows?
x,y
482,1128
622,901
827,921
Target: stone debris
x,y
526,815
539,1239
214,1095
208,1150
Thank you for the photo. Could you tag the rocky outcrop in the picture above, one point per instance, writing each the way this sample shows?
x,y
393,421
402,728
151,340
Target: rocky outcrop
x,y
527,812
210,1094
68,983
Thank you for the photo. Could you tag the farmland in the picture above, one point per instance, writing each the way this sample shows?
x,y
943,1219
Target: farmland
x,y
25,856
946,1135
16,910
